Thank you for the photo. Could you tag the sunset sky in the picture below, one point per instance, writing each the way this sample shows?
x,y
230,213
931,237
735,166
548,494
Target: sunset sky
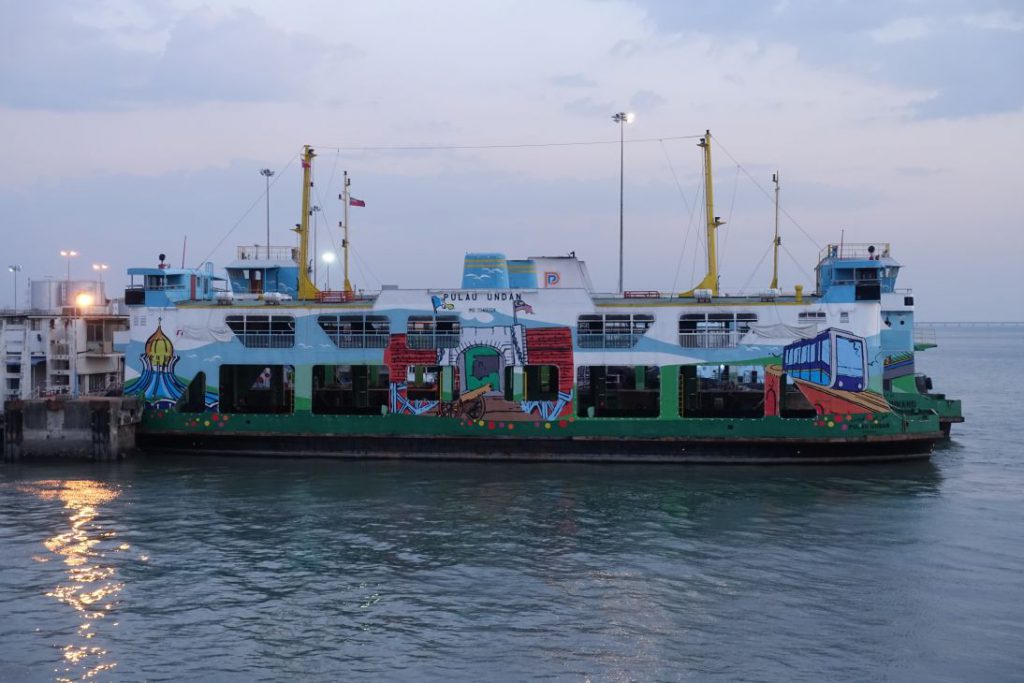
x,y
129,126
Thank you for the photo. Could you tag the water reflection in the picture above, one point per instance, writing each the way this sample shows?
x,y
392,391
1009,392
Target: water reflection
x,y
92,587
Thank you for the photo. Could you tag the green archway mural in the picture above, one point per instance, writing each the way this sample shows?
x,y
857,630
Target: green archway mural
x,y
482,365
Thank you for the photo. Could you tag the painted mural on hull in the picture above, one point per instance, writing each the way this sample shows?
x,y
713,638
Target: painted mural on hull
x,y
486,358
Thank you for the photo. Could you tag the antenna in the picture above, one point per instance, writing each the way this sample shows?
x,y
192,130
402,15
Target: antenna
x,y
777,242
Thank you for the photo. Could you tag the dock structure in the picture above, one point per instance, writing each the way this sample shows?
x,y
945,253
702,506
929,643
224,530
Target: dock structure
x,y
93,428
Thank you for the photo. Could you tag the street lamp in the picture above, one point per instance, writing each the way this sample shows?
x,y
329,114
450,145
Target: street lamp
x,y
267,174
100,267
82,300
622,118
328,257
68,254
14,271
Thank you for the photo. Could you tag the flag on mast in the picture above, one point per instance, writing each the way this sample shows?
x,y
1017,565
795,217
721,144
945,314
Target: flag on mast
x,y
352,201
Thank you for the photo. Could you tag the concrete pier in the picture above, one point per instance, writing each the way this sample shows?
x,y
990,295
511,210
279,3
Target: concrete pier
x,y
94,428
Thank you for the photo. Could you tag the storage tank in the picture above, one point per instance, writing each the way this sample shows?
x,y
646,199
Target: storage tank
x,y
46,295
52,295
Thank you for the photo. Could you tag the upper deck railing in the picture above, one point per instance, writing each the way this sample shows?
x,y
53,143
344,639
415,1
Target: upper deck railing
x,y
859,251
259,252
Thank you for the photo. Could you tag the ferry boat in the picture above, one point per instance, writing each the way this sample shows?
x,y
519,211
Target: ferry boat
x,y
525,361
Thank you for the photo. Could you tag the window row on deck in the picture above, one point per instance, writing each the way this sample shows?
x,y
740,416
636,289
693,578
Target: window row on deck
x,y
593,331
629,391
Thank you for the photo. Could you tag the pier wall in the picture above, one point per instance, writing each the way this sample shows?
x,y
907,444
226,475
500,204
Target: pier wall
x,y
95,428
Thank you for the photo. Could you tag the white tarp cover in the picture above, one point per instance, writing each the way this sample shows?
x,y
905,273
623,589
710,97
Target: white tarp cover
x,y
778,334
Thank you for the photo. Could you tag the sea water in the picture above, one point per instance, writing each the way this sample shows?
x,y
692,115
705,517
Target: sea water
x,y
238,569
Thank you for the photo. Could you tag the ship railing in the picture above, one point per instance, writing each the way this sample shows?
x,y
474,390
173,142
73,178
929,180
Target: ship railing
x,y
925,335
258,252
153,287
360,341
710,339
340,296
860,251
432,341
606,340
763,294
266,341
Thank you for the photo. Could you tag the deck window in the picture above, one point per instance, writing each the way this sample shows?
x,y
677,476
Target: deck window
x,y
618,391
423,382
811,316
612,331
350,389
540,383
714,330
193,399
433,331
721,391
263,331
257,389
356,331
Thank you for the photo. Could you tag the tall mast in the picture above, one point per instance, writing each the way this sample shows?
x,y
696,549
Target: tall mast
x,y
307,289
777,242
710,280
344,237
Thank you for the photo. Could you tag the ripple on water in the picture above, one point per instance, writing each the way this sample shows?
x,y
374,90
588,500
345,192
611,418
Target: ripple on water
x,y
238,569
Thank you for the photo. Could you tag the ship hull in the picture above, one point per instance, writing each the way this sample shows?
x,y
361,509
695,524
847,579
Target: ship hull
x,y
693,450
836,438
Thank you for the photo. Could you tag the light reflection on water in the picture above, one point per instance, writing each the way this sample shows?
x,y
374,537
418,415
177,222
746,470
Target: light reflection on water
x,y
92,587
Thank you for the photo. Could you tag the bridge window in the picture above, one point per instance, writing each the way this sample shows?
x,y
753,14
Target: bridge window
x,y
257,388
350,389
618,391
714,330
811,316
433,331
357,331
612,331
263,331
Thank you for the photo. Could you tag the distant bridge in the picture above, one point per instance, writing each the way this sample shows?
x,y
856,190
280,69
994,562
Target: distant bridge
x,y
966,323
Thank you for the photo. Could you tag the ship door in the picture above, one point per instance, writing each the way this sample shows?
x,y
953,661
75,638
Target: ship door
x,y
482,365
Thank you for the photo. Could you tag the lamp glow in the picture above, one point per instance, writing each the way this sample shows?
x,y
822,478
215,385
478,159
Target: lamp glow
x,y
84,299
328,257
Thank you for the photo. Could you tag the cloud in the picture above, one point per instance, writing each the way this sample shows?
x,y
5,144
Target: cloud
x,y
588,107
996,21
919,172
901,30
968,62
646,100
54,60
572,81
